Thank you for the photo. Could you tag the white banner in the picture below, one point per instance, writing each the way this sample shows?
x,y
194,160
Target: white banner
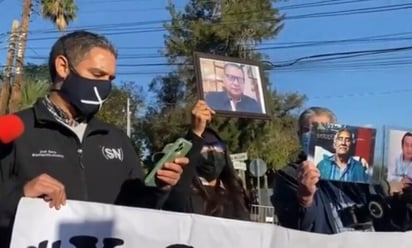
x,y
89,225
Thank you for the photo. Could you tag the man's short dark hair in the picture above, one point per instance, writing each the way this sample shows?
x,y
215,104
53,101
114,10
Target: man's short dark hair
x,y
407,134
75,46
237,66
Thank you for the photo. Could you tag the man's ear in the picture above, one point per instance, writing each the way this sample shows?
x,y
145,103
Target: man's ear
x,y
62,67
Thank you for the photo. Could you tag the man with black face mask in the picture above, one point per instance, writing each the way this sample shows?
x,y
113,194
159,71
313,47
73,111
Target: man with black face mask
x,y
209,184
67,153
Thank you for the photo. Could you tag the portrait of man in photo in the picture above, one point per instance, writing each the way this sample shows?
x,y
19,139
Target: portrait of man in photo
x,y
342,152
230,86
341,165
399,156
232,98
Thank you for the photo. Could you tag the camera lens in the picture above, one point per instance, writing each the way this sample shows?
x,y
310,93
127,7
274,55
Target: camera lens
x,y
375,209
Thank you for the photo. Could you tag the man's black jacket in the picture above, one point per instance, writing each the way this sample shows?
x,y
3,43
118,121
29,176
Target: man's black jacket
x,y
102,168
318,218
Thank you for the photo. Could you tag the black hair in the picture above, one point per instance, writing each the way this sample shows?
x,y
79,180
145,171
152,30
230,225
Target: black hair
x,y
75,46
408,134
237,66
231,191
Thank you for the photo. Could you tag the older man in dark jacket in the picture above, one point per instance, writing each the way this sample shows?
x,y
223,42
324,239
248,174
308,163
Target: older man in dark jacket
x,y
304,202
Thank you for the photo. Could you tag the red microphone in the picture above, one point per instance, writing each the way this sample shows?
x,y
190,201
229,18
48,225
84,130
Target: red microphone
x,y
11,127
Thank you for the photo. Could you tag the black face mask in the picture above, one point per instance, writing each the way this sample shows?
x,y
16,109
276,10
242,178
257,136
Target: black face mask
x,y
212,165
85,95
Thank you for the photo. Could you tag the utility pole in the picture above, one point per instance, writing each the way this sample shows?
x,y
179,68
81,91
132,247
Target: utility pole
x,y
7,74
217,10
18,83
128,131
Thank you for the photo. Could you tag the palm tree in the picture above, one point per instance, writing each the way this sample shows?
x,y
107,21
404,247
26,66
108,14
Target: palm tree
x,y
32,91
60,12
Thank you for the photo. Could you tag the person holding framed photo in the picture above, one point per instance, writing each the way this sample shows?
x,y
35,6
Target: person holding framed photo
x,y
209,184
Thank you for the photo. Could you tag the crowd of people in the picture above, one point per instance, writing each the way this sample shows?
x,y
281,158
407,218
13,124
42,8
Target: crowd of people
x,y
59,157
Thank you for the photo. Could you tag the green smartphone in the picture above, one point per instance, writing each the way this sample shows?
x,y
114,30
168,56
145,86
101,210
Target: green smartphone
x,y
171,151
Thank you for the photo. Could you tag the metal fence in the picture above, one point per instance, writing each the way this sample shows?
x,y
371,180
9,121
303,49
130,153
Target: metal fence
x,y
263,214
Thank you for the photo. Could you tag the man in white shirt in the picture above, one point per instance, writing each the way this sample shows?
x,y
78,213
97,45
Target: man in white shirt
x,y
401,171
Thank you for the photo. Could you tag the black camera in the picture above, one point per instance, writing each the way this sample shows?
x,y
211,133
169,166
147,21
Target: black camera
x,y
356,217
385,212
392,213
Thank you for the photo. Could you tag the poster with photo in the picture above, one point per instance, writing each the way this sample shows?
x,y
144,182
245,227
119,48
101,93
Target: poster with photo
x,y
343,152
231,86
398,157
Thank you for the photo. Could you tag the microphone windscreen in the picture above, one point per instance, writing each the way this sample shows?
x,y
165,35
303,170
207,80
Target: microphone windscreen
x,y
11,127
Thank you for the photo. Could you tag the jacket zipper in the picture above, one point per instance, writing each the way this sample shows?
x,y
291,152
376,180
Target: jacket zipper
x,y
82,171
79,153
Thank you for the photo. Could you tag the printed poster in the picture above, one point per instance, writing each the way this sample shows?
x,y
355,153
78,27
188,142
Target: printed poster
x,y
343,152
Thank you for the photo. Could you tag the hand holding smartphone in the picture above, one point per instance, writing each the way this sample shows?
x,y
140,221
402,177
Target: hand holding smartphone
x,y
179,148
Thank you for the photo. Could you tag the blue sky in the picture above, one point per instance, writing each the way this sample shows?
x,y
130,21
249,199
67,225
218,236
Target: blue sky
x,y
358,90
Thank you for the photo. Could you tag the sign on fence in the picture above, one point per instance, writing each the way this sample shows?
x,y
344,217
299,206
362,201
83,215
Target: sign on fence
x,y
238,156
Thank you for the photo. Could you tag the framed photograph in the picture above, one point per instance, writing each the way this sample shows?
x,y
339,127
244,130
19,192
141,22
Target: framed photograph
x,y
342,152
398,155
230,86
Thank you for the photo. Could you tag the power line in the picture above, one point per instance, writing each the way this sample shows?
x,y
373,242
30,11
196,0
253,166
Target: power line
x,y
129,55
367,62
126,28
345,66
338,55
156,29
315,58
373,66
310,58
319,4
287,45
365,94
283,45
288,7
302,44
352,11
116,26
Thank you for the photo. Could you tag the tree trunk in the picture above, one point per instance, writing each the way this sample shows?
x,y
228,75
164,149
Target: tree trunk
x,y
18,84
7,74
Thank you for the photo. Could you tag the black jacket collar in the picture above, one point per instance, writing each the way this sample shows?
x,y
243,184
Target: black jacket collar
x,y
43,116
